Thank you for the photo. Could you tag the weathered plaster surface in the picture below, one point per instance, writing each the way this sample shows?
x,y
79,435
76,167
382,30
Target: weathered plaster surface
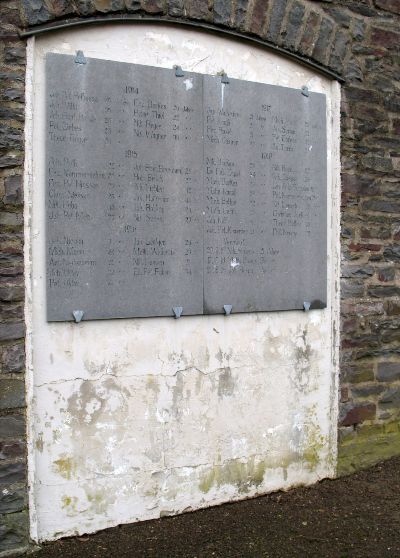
x,y
133,419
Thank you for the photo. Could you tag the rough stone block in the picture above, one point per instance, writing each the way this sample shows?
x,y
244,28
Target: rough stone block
x,y
12,426
12,310
13,190
84,7
388,371
367,445
362,392
353,71
382,233
12,331
384,37
358,184
362,94
392,102
11,450
132,5
12,113
391,398
12,394
222,12
241,7
11,219
14,55
339,48
361,7
258,16
383,291
275,21
153,6
10,160
12,499
198,9
10,137
309,37
392,253
13,359
357,413
362,309
12,289
294,23
357,374
378,164
13,94
321,48
59,8
357,271
381,205
14,531
392,308
107,6
368,340
389,5
361,247
12,472
35,12
351,288
386,274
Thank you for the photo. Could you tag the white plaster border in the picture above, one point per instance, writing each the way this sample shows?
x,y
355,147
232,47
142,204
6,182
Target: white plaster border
x,y
28,186
334,256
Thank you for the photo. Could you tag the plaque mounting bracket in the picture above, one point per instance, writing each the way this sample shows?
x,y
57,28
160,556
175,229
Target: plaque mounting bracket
x,y
305,91
78,315
178,71
224,76
177,310
80,57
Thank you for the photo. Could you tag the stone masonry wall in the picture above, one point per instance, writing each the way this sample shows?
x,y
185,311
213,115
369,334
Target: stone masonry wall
x,y
358,39
13,498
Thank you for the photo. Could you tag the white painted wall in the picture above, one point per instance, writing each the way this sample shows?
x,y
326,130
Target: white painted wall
x,y
136,418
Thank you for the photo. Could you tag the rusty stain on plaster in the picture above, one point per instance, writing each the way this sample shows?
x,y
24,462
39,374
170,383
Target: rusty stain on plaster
x,y
69,504
242,474
39,444
65,466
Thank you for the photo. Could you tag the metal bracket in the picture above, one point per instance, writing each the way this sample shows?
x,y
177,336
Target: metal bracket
x,y
228,309
177,310
306,306
80,57
305,91
224,77
78,315
178,71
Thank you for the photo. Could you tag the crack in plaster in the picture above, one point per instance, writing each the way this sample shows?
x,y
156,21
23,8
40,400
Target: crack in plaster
x,y
123,376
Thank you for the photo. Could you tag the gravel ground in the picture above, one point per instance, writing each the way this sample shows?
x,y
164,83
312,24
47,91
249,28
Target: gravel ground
x,y
352,517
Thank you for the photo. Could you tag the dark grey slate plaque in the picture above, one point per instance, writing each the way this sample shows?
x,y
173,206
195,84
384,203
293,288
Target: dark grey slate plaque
x,y
124,190
166,191
265,190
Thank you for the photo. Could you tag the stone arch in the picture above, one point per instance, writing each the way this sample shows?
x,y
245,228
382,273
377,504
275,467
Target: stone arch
x,y
310,32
